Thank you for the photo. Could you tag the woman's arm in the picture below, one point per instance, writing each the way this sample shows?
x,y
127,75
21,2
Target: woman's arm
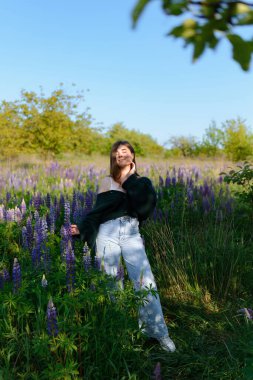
x,y
106,202
87,227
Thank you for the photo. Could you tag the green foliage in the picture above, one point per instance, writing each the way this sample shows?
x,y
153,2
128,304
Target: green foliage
x,y
238,140
210,21
212,140
46,125
143,144
52,125
186,146
244,179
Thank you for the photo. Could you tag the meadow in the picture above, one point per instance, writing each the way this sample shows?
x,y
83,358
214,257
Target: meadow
x,y
60,316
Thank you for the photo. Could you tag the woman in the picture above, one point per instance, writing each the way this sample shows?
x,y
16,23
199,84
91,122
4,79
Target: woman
x,y
125,199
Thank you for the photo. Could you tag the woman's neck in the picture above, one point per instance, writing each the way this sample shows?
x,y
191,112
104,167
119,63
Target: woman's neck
x,y
124,171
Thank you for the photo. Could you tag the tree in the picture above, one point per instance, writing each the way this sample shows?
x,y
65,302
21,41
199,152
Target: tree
x,y
238,140
210,21
185,145
213,139
10,126
143,143
49,125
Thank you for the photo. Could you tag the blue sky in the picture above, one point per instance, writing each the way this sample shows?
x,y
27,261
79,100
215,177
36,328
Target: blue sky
x,y
136,76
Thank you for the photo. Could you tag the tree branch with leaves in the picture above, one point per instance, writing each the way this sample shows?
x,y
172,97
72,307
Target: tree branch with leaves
x,y
206,23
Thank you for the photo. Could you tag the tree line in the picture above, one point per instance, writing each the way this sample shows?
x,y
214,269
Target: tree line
x,y
52,125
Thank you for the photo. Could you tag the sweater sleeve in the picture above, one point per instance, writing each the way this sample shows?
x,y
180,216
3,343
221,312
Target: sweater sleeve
x,y
89,225
141,195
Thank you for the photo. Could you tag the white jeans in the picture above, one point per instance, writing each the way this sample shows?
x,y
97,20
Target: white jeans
x,y
121,237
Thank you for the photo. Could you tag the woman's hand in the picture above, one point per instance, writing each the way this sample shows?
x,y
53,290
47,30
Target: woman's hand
x,y
74,230
124,176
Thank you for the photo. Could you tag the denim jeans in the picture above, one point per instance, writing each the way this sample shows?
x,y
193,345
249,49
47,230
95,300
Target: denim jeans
x,y
121,237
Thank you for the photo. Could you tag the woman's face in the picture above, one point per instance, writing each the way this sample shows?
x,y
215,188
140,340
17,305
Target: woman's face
x,y
123,155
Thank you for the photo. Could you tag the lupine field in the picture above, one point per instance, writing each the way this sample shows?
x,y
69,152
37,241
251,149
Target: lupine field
x,y
62,317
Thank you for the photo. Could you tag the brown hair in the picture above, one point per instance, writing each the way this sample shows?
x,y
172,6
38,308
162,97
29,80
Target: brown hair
x,y
114,168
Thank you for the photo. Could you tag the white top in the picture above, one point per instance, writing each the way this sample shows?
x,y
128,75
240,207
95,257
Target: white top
x,y
108,184
116,186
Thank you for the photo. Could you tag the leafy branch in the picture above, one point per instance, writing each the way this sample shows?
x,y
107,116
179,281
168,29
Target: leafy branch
x,y
210,22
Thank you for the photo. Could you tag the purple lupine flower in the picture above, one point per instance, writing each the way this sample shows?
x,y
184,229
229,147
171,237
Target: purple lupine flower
x,y
139,283
48,200
29,233
120,276
97,263
220,179
70,264
8,197
167,181
35,255
40,237
206,189
1,281
248,313
52,323
157,372
37,201
65,238
66,213
17,214
88,201
6,275
2,212
44,281
180,175
36,216
206,205
86,248
173,181
24,237
38,241
23,207
86,258
44,228
212,197
16,275
56,208
10,215
81,198
64,241
228,205
161,181
190,196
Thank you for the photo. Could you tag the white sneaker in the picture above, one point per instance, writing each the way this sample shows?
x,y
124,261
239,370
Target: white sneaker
x,y
167,344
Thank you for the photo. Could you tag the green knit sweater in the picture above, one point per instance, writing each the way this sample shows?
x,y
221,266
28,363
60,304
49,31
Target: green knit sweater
x,y
139,201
